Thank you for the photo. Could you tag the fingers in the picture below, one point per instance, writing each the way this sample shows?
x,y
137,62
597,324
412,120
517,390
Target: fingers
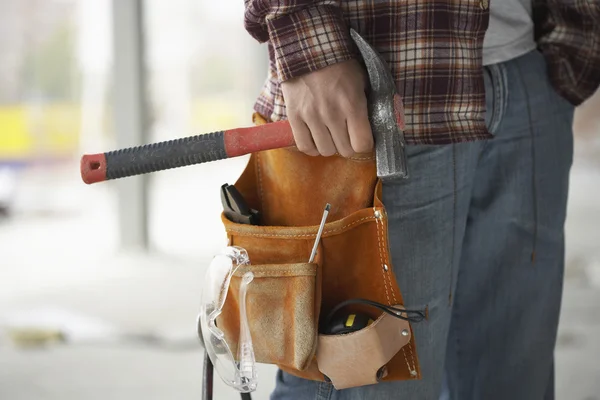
x,y
359,130
328,138
341,139
348,134
322,138
327,110
303,137
312,138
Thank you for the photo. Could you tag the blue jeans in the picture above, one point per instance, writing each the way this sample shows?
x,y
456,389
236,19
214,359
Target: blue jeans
x,y
477,238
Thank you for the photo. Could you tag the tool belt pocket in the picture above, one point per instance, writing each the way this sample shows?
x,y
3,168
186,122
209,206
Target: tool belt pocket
x,y
282,309
289,296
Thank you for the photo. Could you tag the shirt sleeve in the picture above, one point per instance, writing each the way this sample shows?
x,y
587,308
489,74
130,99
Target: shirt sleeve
x,y
305,35
568,34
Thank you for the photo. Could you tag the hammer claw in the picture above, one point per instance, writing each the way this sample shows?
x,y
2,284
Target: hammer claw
x,y
386,113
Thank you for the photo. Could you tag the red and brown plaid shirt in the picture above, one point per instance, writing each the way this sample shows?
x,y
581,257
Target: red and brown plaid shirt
x,y
433,48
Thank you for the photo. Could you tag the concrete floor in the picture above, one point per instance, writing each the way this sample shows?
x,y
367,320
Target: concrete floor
x,y
60,267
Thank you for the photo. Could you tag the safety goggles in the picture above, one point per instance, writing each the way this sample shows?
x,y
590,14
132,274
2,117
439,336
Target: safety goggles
x,y
239,372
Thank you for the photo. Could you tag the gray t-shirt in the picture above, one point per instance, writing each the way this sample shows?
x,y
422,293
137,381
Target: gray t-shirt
x,y
510,32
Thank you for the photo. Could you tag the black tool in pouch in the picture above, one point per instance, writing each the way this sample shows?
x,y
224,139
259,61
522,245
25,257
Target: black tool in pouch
x,y
237,210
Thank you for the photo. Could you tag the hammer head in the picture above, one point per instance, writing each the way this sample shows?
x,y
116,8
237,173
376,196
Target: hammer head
x,y
384,113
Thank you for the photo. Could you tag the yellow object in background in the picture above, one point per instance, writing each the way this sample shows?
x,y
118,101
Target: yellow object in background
x,y
15,140
60,126
53,130
35,337
47,131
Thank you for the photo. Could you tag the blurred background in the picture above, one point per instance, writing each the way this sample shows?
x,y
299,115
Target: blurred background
x,y
116,268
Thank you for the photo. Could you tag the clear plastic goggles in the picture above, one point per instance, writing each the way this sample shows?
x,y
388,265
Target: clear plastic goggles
x,y
239,372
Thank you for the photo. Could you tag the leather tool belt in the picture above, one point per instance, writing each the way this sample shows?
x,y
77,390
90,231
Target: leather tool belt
x,y
289,295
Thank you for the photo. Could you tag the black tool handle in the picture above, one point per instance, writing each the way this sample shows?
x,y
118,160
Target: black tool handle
x,y
153,157
165,155
207,379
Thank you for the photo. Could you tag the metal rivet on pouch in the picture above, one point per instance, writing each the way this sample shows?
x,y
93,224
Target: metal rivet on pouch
x,y
385,267
377,214
404,332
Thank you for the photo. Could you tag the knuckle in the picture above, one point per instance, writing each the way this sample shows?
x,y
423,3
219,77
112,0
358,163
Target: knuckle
x,y
330,113
347,105
355,104
310,111
294,118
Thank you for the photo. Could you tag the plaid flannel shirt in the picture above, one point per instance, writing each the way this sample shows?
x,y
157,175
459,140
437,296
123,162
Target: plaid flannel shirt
x,y
433,48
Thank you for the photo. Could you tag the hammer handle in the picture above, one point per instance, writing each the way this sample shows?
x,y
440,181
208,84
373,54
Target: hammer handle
x,y
184,152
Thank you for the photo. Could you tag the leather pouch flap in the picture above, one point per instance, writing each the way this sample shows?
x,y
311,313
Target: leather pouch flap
x,y
353,359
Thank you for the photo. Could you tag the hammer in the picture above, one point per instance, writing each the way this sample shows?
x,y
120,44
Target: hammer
x,y
386,117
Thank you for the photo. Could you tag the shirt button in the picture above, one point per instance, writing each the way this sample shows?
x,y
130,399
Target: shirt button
x,y
484,4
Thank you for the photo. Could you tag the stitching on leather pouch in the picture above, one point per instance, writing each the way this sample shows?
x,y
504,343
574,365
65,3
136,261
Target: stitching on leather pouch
x,y
368,158
278,270
386,274
260,184
282,273
267,235
406,359
387,295
391,287
414,368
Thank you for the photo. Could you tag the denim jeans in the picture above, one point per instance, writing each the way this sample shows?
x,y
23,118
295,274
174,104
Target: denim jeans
x,y
477,237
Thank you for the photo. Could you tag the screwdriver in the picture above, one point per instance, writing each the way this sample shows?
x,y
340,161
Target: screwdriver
x,y
319,233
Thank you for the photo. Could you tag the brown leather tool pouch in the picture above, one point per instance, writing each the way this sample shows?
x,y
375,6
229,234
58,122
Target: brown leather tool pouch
x,y
288,295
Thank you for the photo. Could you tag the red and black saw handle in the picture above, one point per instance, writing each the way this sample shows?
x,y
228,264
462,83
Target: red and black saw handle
x,y
184,152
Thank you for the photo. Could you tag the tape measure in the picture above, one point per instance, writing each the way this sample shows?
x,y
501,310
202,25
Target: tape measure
x,y
347,323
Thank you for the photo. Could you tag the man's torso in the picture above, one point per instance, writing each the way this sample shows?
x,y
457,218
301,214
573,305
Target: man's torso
x,y
436,50
510,33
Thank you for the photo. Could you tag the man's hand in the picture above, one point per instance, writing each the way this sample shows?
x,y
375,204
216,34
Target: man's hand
x,y
327,110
